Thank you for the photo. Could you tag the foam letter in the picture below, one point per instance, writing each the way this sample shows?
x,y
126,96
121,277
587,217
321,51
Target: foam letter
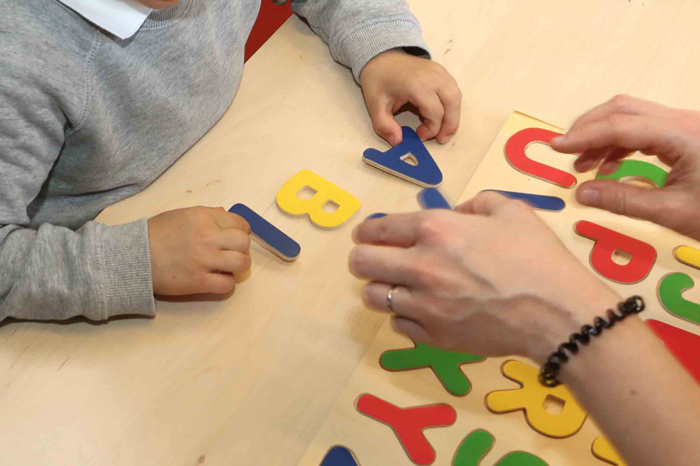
x,y
636,169
536,201
515,154
445,364
289,201
425,173
477,444
671,288
688,256
339,456
431,198
531,399
269,236
606,243
408,424
603,450
685,346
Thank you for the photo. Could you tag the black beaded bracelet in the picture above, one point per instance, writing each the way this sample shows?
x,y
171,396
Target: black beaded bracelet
x,y
550,370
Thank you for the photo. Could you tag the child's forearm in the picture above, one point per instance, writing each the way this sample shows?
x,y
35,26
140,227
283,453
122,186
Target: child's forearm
x,y
55,273
358,30
639,395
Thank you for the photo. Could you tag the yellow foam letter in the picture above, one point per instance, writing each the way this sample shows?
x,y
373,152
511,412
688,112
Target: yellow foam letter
x,y
532,397
289,201
603,450
688,256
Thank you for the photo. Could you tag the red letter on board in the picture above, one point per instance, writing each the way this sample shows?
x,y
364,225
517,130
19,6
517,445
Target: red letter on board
x,y
408,423
607,242
515,154
685,346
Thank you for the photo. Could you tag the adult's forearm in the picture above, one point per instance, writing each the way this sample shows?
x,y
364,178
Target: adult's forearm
x,y
639,395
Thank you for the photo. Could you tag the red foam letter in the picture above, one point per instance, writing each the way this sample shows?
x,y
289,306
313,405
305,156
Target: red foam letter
x,y
408,424
607,242
685,346
515,154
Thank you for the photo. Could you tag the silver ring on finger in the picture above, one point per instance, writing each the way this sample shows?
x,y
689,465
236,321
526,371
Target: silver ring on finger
x,y
390,296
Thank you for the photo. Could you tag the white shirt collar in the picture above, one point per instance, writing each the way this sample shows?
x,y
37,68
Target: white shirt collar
x,y
120,17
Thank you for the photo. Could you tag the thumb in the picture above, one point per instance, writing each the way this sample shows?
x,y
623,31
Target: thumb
x,y
384,123
624,199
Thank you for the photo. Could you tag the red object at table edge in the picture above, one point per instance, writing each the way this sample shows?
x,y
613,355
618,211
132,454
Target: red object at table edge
x,y
270,19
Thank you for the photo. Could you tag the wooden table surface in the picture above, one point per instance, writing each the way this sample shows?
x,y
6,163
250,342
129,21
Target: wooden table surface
x,y
249,379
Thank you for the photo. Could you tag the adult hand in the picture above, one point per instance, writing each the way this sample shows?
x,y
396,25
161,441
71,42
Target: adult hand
x,y
490,279
624,125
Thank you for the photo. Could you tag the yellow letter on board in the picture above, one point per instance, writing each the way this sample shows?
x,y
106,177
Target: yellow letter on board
x,y
532,397
603,450
688,256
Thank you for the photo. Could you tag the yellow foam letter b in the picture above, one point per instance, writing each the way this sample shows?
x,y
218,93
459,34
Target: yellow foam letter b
x,y
289,201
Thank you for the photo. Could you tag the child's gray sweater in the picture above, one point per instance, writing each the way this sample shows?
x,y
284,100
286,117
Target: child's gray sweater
x,y
87,120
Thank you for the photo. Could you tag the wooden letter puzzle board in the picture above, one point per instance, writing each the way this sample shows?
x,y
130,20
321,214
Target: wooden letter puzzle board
x,y
554,430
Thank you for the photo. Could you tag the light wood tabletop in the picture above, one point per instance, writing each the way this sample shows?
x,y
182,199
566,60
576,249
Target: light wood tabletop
x,y
248,379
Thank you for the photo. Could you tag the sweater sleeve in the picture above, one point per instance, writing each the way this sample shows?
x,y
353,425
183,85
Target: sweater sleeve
x,y
49,271
358,30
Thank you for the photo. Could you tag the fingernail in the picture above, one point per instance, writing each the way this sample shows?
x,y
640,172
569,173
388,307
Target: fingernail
x,y
353,235
393,140
588,196
365,295
608,167
559,139
584,166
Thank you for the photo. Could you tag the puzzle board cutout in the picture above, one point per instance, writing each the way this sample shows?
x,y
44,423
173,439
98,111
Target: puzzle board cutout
x,y
376,444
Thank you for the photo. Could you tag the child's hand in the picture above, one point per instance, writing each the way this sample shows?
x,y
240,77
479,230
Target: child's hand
x,y
197,250
394,78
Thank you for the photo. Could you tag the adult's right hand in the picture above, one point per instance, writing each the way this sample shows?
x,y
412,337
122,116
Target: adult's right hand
x,y
474,279
622,126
